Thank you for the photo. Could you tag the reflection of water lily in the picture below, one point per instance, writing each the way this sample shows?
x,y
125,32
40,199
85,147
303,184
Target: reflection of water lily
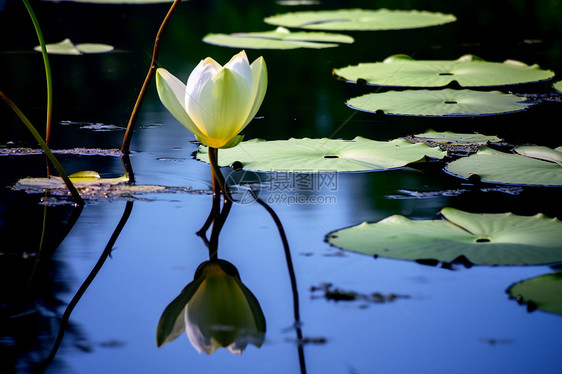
x,y
218,101
215,310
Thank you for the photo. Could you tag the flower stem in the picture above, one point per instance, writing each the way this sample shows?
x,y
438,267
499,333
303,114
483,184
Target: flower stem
x,y
47,71
132,120
77,199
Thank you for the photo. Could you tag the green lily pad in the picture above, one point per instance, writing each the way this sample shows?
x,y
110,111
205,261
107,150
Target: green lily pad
x,y
360,19
558,86
541,153
506,168
456,138
467,71
439,103
481,239
322,155
80,179
66,47
280,38
543,292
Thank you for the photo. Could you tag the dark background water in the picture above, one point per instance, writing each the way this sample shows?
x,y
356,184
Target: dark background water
x,y
451,320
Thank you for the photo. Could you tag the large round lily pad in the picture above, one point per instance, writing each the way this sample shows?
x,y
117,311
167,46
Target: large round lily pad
x,y
280,38
467,71
508,168
439,103
323,155
543,292
360,19
481,239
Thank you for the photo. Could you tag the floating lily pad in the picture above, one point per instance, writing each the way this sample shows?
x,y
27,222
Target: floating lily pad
x,y
281,38
66,47
360,19
456,138
92,187
322,155
480,239
507,168
439,103
467,71
541,153
558,86
79,179
543,292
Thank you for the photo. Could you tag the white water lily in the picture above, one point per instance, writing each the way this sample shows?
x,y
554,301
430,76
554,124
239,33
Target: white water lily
x,y
218,101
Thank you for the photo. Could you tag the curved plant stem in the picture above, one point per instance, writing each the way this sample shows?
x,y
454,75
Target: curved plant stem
x,y
47,71
132,120
77,198
89,279
293,278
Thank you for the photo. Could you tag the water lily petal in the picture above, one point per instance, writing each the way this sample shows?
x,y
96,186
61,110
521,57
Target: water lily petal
x,y
223,107
240,64
259,82
172,94
202,73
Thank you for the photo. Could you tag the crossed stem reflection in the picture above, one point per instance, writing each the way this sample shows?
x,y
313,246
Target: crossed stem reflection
x,y
217,217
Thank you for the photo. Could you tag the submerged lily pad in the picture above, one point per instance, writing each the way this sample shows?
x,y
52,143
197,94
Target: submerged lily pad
x,y
507,168
456,138
439,103
480,239
467,71
360,19
280,38
67,47
322,155
543,292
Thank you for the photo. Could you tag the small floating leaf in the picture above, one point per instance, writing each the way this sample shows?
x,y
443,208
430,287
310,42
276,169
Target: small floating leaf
x,y
467,71
281,38
558,86
506,168
318,155
439,103
360,19
480,239
80,180
543,292
66,47
456,138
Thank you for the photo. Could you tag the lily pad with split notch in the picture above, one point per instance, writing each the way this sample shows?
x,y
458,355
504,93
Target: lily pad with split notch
x,y
543,292
467,71
67,47
280,38
439,103
360,19
323,155
479,239
509,168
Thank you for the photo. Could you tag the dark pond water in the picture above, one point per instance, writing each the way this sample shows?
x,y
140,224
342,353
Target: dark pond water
x,y
458,320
